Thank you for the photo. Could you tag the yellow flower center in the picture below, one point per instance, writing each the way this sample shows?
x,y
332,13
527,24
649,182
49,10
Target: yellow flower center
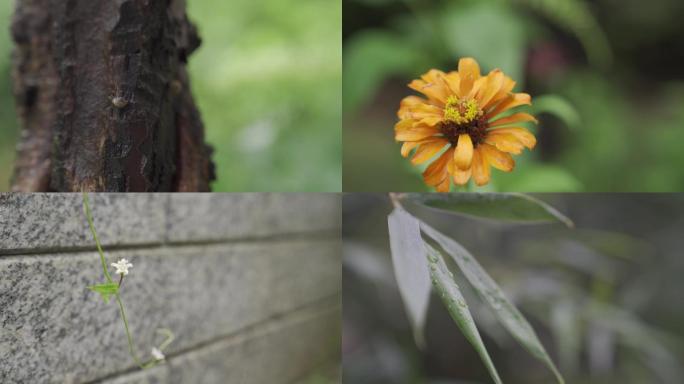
x,y
463,116
461,111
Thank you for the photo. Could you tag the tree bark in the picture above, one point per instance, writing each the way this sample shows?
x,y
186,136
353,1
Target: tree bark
x,y
103,96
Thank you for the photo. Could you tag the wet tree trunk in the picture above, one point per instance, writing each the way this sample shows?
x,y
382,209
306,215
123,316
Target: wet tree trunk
x,y
103,96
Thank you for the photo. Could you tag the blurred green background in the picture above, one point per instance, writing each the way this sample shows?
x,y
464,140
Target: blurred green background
x,y
606,77
600,296
267,80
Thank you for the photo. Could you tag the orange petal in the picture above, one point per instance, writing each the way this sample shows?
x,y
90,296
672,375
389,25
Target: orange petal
x,y
426,151
525,137
403,125
408,146
427,114
498,159
438,78
444,186
423,110
511,101
407,103
512,119
495,80
433,91
409,130
505,142
413,135
432,120
505,90
436,172
463,155
433,76
453,81
461,177
469,71
479,84
481,171
413,109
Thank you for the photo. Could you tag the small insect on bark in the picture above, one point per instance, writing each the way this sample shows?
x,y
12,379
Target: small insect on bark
x,y
119,102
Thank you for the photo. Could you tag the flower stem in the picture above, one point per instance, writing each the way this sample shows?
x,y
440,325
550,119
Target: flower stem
x,y
129,337
128,332
89,216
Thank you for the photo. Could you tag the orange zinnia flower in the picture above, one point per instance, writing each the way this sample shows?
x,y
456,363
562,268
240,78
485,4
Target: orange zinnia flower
x,y
461,113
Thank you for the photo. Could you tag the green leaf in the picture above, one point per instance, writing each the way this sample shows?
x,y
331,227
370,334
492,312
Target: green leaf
x,y
511,318
106,290
559,107
446,287
498,206
410,268
540,178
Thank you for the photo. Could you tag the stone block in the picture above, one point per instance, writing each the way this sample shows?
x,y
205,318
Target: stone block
x,y
54,330
202,217
280,351
42,221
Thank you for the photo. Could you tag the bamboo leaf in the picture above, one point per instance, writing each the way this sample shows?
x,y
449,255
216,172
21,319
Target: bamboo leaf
x,y
446,287
514,207
491,293
410,268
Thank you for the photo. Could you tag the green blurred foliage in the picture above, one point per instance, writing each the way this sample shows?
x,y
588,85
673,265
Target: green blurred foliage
x,y
267,81
609,104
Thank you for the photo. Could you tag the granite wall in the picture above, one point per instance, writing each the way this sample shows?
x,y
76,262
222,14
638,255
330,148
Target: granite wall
x,y
249,284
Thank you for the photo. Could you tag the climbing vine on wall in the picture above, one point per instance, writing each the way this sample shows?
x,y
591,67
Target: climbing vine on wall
x,y
111,288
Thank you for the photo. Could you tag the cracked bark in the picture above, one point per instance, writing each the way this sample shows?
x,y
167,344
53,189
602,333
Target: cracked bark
x,y
103,97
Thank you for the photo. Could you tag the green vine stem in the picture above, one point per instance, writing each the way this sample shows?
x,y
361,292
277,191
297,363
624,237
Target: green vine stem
x,y
89,216
117,296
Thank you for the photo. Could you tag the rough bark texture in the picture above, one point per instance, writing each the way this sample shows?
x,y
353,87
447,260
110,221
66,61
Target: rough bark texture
x,y
104,97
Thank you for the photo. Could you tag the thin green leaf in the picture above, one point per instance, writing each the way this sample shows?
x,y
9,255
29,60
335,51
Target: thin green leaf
x,y
446,287
492,294
106,290
410,268
516,207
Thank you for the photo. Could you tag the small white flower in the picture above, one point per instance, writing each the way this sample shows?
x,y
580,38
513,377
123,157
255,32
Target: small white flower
x,y
122,266
157,354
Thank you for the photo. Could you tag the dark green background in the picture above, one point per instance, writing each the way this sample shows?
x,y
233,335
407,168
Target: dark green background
x,y
613,71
